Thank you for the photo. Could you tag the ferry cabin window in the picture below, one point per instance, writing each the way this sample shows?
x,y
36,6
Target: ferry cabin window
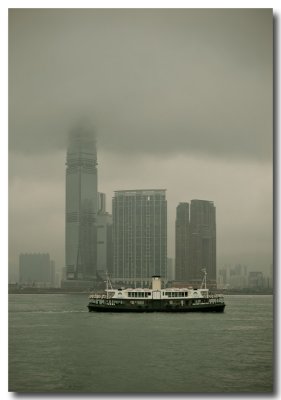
x,y
137,294
176,294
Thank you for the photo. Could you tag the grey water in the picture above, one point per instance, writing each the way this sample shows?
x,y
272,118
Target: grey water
x,y
57,346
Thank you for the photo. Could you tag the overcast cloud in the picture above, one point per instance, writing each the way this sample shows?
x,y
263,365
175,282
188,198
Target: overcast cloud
x,y
180,99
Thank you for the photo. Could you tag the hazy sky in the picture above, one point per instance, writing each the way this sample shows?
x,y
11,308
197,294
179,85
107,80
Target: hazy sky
x,y
181,99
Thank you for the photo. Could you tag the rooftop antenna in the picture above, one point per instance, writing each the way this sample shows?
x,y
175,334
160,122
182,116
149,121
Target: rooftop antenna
x,y
204,280
108,283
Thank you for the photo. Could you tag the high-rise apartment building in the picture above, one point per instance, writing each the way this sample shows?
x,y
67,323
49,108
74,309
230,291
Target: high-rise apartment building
x,y
182,245
36,269
81,204
139,235
202,240
196,242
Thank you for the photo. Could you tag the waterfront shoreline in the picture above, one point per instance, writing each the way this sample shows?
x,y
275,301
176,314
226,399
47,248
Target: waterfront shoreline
x,y
67,291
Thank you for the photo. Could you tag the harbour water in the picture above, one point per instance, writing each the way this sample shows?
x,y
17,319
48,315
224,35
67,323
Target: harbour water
x,y
56,345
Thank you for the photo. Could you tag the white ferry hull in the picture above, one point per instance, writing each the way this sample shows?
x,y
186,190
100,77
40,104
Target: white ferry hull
x,y
156,306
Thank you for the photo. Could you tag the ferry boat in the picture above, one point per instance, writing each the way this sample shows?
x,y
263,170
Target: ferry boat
x,y
156,299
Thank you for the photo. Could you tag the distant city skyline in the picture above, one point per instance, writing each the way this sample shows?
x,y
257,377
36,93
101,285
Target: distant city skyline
x,y
180,99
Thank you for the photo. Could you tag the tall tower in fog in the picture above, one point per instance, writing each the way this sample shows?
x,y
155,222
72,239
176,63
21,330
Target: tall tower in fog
x,y
202,239
139,235
182,270
81,204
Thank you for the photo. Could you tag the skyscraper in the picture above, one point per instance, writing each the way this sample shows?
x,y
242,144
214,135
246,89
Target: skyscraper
x,y
182,264
81,204
202,240
196,241
139,235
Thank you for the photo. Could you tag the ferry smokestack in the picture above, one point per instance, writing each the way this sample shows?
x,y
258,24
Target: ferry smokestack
x,y
156,282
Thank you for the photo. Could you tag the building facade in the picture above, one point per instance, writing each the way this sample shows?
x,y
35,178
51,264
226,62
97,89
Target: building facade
x,y
104,239
170,269
81,205
202,240
182,245
139,236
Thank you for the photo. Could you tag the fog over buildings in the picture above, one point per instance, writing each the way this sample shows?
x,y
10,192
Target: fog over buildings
x,y
181,99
